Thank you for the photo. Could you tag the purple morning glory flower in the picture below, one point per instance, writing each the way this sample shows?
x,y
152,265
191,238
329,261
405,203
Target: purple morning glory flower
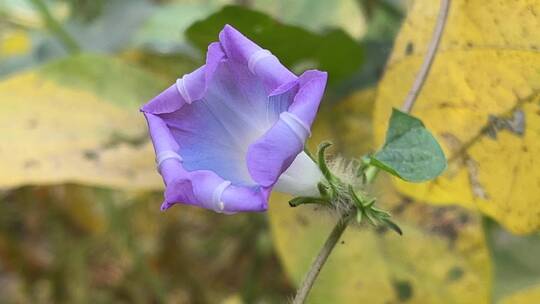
x,y
228,133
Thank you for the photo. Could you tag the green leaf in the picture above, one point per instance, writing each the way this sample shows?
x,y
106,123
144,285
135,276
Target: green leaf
x,y
392,226
333,51
410,150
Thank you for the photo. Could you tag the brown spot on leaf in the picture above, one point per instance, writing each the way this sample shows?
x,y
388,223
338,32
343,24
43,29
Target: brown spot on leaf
x,y
91,155
403,290
452,142
477,188
464,218
516,124
302,220
445,104
455,273
32,124
409,49
31,163
402,206
447,222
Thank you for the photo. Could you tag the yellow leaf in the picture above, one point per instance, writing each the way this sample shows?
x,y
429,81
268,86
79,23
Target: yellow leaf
x,y
529,295
14,43
55,132
442,257
486,73
347,124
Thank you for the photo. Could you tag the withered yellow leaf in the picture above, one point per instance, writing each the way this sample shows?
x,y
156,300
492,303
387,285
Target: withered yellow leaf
x,y
77,120
441,258
14,43
481,100
529,295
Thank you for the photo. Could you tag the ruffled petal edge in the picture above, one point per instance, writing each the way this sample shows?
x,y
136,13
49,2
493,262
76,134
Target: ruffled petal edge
x,y
260,62
189,88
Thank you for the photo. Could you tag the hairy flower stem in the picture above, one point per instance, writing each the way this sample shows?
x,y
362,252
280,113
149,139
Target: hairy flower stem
x,y
317,265
371,172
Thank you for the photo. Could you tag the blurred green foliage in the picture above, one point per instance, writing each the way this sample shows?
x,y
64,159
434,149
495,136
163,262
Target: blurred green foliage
x,y
333,51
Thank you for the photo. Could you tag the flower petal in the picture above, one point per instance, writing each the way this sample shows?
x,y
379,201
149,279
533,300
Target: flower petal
x,y
215,193
167,101
306,102
274,152
301,178
176,179
189,88
215,131
200,187
260,62
224,133
205,189
239,198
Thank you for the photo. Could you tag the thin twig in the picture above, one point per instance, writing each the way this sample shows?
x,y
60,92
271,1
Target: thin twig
x,y
317,265
55,27
408,104
428,60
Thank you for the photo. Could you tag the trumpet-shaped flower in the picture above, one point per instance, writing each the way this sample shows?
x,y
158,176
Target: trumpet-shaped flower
x,y
228,133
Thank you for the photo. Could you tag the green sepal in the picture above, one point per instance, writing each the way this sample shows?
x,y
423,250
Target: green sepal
x,y
304,200
356,200
371,219
370,204
392,225
380,211
359,216
321,157
324,191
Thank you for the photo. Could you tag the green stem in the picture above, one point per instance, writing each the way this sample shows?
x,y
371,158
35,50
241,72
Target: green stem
x,y
317,265
55,27
433,46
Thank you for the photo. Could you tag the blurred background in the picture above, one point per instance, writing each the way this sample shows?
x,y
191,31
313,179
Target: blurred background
x,y
80,197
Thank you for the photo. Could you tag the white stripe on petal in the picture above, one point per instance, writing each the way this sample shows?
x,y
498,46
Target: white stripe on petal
x,y
296,125
218,204
165,155
256,57
181,86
